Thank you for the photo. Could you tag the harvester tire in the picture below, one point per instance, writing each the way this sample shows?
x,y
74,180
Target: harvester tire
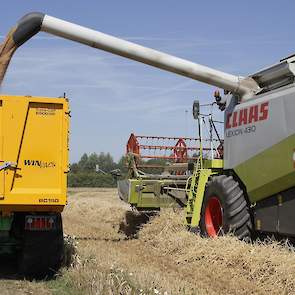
x,y
42,253
225,209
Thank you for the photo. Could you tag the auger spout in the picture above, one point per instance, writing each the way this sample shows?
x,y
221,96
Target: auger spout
x,y
33,23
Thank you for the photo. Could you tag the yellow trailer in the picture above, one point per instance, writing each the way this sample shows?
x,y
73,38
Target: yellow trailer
x,y
33,179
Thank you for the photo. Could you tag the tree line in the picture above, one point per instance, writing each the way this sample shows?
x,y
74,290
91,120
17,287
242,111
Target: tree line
x,y
94,170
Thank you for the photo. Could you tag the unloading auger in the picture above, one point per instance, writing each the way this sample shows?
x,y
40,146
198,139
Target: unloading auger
x,y
32,23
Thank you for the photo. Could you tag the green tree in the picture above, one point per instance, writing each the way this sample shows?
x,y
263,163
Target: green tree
x,y
83,161
75,168
91,163
84,174
106,162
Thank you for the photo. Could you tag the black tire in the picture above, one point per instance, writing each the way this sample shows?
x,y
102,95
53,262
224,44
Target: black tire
x,y
42,252
225,192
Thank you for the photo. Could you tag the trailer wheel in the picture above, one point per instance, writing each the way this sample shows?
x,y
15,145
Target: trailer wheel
x,y
42,252
225,209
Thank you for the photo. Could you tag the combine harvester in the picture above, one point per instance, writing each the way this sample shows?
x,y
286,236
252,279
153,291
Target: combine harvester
x,y
251,189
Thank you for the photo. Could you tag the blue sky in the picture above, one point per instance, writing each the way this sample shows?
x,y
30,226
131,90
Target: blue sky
x,y
110,96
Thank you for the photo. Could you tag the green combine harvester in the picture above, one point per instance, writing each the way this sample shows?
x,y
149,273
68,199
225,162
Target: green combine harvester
x,y
246,184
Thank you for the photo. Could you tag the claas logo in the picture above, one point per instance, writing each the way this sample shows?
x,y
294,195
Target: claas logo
x,y
39,164
246,116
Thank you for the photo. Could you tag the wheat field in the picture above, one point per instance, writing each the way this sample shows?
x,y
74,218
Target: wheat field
x,y
122,252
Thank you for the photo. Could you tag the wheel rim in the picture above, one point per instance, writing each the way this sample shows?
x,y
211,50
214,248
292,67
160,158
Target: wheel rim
x,y
213,216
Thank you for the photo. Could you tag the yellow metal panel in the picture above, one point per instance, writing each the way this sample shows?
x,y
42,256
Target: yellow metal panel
x,y
14,113
35,136
213,164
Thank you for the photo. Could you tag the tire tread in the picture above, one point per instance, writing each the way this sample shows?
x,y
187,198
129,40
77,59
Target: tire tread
x,y
236,210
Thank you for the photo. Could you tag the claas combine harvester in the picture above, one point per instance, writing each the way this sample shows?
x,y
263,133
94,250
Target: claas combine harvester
x,y
245,183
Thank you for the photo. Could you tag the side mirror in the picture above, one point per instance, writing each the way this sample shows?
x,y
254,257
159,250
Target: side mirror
x,y
196,109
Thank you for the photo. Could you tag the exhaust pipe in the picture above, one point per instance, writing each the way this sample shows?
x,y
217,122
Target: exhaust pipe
x,y
32,23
